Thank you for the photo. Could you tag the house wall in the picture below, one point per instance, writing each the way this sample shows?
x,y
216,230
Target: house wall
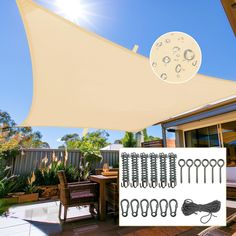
x,y
217,117
179,138
217,120
223,118
170,143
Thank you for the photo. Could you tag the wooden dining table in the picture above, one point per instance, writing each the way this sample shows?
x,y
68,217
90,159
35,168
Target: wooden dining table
x,y
102,181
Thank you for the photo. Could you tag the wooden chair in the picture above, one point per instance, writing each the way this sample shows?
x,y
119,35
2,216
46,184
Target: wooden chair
x,y
76,194
112,198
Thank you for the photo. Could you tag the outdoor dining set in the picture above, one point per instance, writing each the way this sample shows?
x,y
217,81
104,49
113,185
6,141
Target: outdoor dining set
x,y
100,193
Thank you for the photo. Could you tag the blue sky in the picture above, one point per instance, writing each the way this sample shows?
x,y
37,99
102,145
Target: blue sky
x,y
126,22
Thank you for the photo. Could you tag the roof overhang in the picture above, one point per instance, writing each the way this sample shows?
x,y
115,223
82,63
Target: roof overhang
x,y
210,110
230,10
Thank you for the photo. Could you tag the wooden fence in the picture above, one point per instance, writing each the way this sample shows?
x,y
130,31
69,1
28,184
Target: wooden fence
x,y
153,143
30,159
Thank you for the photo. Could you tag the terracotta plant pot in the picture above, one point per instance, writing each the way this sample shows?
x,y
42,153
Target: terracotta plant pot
x,y
32,197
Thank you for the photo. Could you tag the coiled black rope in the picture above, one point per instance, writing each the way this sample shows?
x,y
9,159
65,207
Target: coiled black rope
x,y
189,208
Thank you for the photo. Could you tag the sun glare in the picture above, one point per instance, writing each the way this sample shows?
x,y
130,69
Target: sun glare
x,y
78,11
73,10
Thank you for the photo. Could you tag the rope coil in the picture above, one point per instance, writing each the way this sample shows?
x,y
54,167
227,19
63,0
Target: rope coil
x,y
189,208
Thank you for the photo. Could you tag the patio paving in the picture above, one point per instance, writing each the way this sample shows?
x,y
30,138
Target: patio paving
x,y
42,219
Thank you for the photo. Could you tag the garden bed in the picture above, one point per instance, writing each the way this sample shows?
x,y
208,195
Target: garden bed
x,y
48,192
32,197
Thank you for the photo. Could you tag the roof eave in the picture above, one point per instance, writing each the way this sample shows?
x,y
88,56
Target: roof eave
x,y
198,111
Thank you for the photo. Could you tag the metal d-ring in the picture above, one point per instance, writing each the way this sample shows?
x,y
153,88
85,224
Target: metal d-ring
x,y
134,213
181,164
220,163
205,163
144,212
163,213
173,213
197,164
154,213
213,163
189,164
124,213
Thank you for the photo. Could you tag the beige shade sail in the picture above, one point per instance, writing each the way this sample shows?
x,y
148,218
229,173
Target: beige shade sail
x,y
83,80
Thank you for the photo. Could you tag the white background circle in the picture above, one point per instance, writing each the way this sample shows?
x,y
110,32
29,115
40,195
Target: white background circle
x,y
175,57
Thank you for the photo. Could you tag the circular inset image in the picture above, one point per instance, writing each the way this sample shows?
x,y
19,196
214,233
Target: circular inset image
x,y
175,57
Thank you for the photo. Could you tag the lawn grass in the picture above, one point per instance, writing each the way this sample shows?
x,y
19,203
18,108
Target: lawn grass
x,y
4,209
6,203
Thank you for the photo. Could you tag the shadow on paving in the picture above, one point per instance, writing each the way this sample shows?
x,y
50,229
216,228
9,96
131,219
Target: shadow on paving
x,y
92,227
47,228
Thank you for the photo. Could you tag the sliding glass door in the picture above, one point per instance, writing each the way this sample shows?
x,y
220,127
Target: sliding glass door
x,y
203,137
222,135
229,141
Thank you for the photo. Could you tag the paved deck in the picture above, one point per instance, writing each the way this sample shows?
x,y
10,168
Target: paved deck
x,y
42,219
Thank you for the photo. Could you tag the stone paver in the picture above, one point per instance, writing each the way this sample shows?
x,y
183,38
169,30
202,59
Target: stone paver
x,y
41,219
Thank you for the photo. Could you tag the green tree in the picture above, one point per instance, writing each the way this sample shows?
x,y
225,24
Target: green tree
x,y
70,137
30,139
117,141
13,138
129,140
96,140
62,147
152,138
90,156
89,146
147,137
7,125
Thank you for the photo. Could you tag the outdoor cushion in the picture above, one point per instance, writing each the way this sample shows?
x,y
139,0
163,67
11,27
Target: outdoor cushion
x,y
76,195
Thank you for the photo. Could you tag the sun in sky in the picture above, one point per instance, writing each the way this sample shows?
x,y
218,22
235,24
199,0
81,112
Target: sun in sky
x,y
80,12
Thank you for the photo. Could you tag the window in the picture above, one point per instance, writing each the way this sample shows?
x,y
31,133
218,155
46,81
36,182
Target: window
x,y
229,141
203,137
